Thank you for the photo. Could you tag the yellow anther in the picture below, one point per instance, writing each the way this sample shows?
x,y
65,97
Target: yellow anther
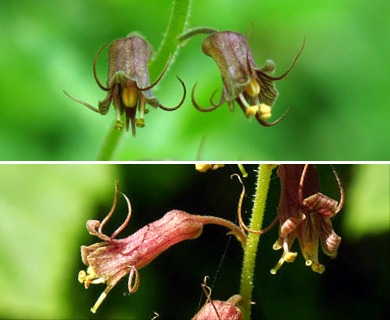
x,y
129,96
265,111
82,276
87,277
140,122
253,88
251,111
315,266
286,257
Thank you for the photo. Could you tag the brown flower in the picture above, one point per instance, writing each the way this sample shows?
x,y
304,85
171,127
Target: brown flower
x,y
128,83
305,213
110,260
243,82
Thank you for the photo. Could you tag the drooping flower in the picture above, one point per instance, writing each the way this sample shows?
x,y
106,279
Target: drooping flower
x,y
243,82
111,259
305,213
217,309
128,83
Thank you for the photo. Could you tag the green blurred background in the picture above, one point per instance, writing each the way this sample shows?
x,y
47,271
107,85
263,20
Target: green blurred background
x,y
337,91
44,209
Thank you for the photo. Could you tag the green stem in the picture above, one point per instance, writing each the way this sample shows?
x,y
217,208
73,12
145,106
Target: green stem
x,y
170,43
169,47
248,266
109,144
201,30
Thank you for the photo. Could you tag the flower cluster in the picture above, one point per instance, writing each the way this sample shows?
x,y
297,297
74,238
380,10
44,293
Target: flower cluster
x,y
304,213
129,89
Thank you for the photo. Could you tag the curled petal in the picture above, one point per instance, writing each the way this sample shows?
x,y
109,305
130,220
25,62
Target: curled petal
x,y
270,124
127,220
181,101
290,67
159,77
93,227
318,202
82,102
330,241
101,86
239,212
321,204
133,287
109,214
268,67
291,224
341,201
197,106
104,105
220,102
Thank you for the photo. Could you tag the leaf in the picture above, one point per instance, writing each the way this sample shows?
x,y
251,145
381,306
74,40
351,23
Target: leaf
x,y
368,201
43,213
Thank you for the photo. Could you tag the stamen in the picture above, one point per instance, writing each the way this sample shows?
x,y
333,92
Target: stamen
x,y
89,277
249,110
99,301
243,100
101,298
118,108
253,88
98,280
82,276
286,257
265,111
140,122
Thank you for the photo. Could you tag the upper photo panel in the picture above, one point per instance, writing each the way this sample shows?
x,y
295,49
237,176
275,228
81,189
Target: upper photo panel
x,y
193,80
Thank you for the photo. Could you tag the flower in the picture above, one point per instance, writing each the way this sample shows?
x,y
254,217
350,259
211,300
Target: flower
x,y
217,309
111,259
128,83
243,82
305,213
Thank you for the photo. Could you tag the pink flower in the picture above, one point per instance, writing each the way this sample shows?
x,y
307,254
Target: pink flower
x,y
217,309
112,259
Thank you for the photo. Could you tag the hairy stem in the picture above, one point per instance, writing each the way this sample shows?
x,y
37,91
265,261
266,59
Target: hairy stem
x,y
168,48
250,251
